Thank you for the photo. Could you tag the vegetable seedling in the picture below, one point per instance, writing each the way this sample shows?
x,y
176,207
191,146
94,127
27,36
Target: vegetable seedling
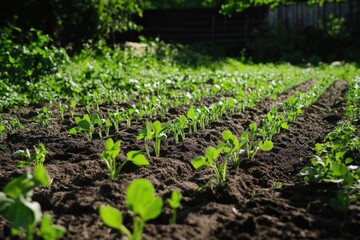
x,y
62,109
43,116
24,214
210,160
155,133
141,201
253,144
110,153
37,159
174,203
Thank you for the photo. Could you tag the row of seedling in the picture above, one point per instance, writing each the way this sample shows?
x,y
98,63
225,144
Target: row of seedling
x,y
335,158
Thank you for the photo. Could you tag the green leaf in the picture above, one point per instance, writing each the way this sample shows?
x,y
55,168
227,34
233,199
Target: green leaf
x,y
266,146
40,176
72,131
2,128
339,169
141,200
191,113
157,128
284,125
152,210
84,124
19,186
22,213
227,135
109,144
111,217
175,199
137,158
48,231
198,163
212,153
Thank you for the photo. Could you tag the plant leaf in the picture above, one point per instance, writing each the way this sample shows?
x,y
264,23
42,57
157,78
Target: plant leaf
x,y
111,216
137,158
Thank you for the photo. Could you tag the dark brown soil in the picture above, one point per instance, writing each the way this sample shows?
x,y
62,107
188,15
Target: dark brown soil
x,y
265,198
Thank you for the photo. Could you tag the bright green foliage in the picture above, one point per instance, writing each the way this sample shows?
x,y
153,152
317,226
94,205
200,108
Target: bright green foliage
x,y
37,159
232,147
178,128
24,214
43,116
210,160
154,133
253,144
174,203
110,153
2,129
108,125
116,118
62,109
331,164
85,125
13,124
141,201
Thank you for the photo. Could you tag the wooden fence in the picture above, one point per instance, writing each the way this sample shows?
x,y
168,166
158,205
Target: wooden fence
x,y
207,25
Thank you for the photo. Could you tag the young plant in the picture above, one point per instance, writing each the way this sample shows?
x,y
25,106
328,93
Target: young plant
x,y
192,115
129,116
24,214
155,133
37,159
141,201
72,107
116,118
62,109
85,125
13,123
252,142
2,129
232,147
43,116
178,128
174,203
210,160
110,153
108,125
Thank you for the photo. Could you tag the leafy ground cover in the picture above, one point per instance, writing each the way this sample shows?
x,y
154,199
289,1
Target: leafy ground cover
x,y
106,107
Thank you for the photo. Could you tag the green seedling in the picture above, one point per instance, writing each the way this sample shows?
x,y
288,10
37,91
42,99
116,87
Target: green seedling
x,y
232,147
154,133
116,118
108,125
110,153
24,214
272,124
178,128
72,107
141,201
14,123
86,125
174,203
129,116
2,129
43,116
210,160
37,159
193,120
252,142
62,109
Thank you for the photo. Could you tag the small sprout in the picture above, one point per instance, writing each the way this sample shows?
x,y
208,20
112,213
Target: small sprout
x,y
24,214
85,125
155,133
174,203
108,125
72,107
129,116
62,109
110,153
210,160
2,129
13,123
141,201
116,118
43,116
37,159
